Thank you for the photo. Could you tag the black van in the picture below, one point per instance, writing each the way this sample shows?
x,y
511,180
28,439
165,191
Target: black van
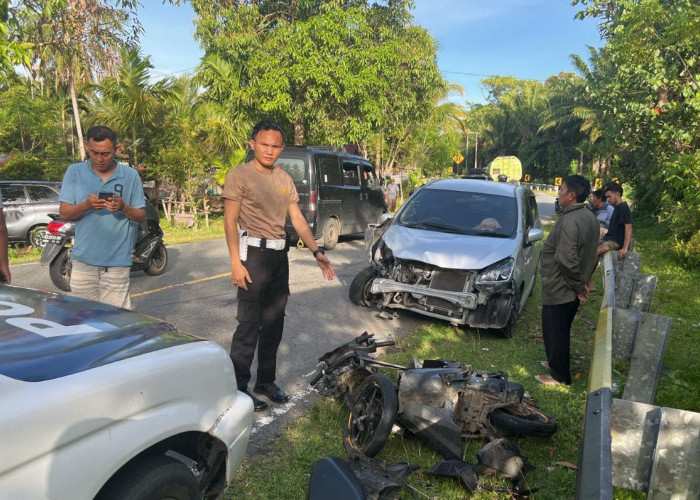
x,y
339,193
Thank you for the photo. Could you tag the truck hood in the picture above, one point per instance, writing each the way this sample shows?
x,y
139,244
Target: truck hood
x,y
446,250
46,335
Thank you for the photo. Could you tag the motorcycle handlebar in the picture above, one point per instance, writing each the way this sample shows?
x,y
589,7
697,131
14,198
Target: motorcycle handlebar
x,y
316,377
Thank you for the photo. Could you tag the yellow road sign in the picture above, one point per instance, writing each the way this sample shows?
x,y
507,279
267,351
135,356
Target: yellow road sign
x,y
557,181
526,178
458,158
598,183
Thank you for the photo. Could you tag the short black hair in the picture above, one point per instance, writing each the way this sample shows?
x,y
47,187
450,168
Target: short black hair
x,y
600,194
614,187
267,125
99,133
579,185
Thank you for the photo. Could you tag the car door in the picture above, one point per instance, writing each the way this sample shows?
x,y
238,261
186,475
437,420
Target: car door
x,y
531,253
352,197
374,203
18,212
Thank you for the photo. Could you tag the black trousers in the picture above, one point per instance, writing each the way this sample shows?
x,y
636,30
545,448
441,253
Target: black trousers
x,y
261,315
556,331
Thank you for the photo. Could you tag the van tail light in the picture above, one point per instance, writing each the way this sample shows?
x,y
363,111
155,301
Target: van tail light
x,y
313,199
53,227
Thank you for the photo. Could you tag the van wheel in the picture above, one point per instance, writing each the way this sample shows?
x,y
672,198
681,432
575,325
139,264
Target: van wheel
x,y
156,477
331,231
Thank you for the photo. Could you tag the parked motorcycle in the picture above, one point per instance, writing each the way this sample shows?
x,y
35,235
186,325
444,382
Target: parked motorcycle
x,y
440,401
150,254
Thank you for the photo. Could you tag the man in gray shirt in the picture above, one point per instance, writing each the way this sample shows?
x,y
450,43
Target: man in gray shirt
x,y
568,261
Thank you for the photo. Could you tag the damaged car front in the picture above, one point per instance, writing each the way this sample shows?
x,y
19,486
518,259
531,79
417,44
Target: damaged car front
x,y
465,251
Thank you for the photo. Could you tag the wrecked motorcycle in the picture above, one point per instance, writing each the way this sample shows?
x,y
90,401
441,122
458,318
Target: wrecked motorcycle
x,y
439,401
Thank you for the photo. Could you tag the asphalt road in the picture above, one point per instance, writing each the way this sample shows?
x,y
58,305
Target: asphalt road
x,y
196,295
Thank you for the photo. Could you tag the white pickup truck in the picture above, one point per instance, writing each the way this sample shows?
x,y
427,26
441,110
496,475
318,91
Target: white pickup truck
x,y
101,402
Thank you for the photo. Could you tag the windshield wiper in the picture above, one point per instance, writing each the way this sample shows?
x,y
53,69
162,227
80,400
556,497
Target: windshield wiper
x,y
489,233
435,225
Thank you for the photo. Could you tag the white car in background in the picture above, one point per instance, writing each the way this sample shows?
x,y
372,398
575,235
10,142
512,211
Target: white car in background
x,y
462,250
102,402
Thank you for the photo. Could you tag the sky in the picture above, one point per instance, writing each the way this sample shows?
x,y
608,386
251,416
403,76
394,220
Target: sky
x,y
528,39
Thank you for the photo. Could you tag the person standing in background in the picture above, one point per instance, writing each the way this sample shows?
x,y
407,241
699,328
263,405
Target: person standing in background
x,y
106,200
392,192
568,261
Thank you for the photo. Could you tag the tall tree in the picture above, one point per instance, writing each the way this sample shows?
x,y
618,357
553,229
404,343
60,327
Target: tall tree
x,y
77,41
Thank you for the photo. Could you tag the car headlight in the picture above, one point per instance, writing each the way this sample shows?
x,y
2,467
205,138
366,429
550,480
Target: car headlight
x,y
495,276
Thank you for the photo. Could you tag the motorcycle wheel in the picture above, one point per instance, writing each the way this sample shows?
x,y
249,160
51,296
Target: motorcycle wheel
x,y
60,270
523,420
376,404
158,261
360,288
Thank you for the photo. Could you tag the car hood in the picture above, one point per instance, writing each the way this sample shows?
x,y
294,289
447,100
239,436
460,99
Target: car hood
x,y
445,250
46,335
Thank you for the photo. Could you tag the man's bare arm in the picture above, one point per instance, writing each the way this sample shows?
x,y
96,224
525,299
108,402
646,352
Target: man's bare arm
x,y
239,273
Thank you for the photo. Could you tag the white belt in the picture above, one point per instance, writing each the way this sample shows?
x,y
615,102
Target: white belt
x,y
266,243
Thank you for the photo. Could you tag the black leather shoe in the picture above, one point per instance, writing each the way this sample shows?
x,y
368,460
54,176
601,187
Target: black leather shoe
x,y
272,392
258,405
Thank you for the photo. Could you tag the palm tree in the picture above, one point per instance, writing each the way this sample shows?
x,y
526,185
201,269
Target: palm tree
x,y
128,102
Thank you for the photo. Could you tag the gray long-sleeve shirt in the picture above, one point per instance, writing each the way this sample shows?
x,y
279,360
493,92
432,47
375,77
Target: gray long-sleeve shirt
x,y
568,255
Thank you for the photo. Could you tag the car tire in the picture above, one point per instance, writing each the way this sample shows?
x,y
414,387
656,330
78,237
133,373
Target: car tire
x,y
36,236
359,288
509,330
152,478
60,270
331,232
158,261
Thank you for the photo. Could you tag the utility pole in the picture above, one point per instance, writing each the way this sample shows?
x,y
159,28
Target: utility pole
x,y
476,148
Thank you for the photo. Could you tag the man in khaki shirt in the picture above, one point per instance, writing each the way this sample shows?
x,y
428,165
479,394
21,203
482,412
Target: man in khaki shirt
x,y
258,196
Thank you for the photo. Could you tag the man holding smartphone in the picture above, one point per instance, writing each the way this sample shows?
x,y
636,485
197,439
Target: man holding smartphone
x,y
106,200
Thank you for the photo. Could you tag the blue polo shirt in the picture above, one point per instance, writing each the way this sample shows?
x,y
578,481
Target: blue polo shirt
x,y
103,238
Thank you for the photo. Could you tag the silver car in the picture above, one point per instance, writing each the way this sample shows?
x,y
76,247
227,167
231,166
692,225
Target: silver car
x,y
27,206
465,251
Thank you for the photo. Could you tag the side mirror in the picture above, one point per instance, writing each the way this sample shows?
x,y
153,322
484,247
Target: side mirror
x,y
534,234
384,217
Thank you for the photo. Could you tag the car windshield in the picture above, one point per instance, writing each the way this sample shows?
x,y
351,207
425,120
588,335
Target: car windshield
x,y
461,212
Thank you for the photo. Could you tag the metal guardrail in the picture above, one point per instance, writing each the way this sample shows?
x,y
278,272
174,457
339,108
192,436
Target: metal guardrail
x,y
594,479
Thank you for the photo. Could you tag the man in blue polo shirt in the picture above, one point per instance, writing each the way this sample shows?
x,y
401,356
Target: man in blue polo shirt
x,y
106,200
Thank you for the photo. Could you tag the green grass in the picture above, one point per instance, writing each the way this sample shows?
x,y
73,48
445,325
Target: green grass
x,y
174,235
319,434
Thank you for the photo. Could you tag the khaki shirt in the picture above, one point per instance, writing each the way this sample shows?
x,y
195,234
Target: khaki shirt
x,y
568,255
264,197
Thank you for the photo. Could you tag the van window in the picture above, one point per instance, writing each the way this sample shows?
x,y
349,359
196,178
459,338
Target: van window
x,y
41,194
329,171
368,176
296,168
13,193
350,177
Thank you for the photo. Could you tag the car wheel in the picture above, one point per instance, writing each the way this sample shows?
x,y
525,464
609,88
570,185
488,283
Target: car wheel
x,y
152,478
331,231
509,330
36,236
359,293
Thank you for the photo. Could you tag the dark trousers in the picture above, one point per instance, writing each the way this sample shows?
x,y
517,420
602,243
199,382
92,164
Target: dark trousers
x,y
261,315
556,331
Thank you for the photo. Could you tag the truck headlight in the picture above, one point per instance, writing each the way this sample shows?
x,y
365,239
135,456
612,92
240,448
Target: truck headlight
x,y
496,276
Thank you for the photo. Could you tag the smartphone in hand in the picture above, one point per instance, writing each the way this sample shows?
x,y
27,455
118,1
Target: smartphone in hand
x,y
105,196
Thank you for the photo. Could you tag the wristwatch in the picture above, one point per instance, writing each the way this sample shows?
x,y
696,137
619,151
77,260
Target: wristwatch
x,y
318,251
